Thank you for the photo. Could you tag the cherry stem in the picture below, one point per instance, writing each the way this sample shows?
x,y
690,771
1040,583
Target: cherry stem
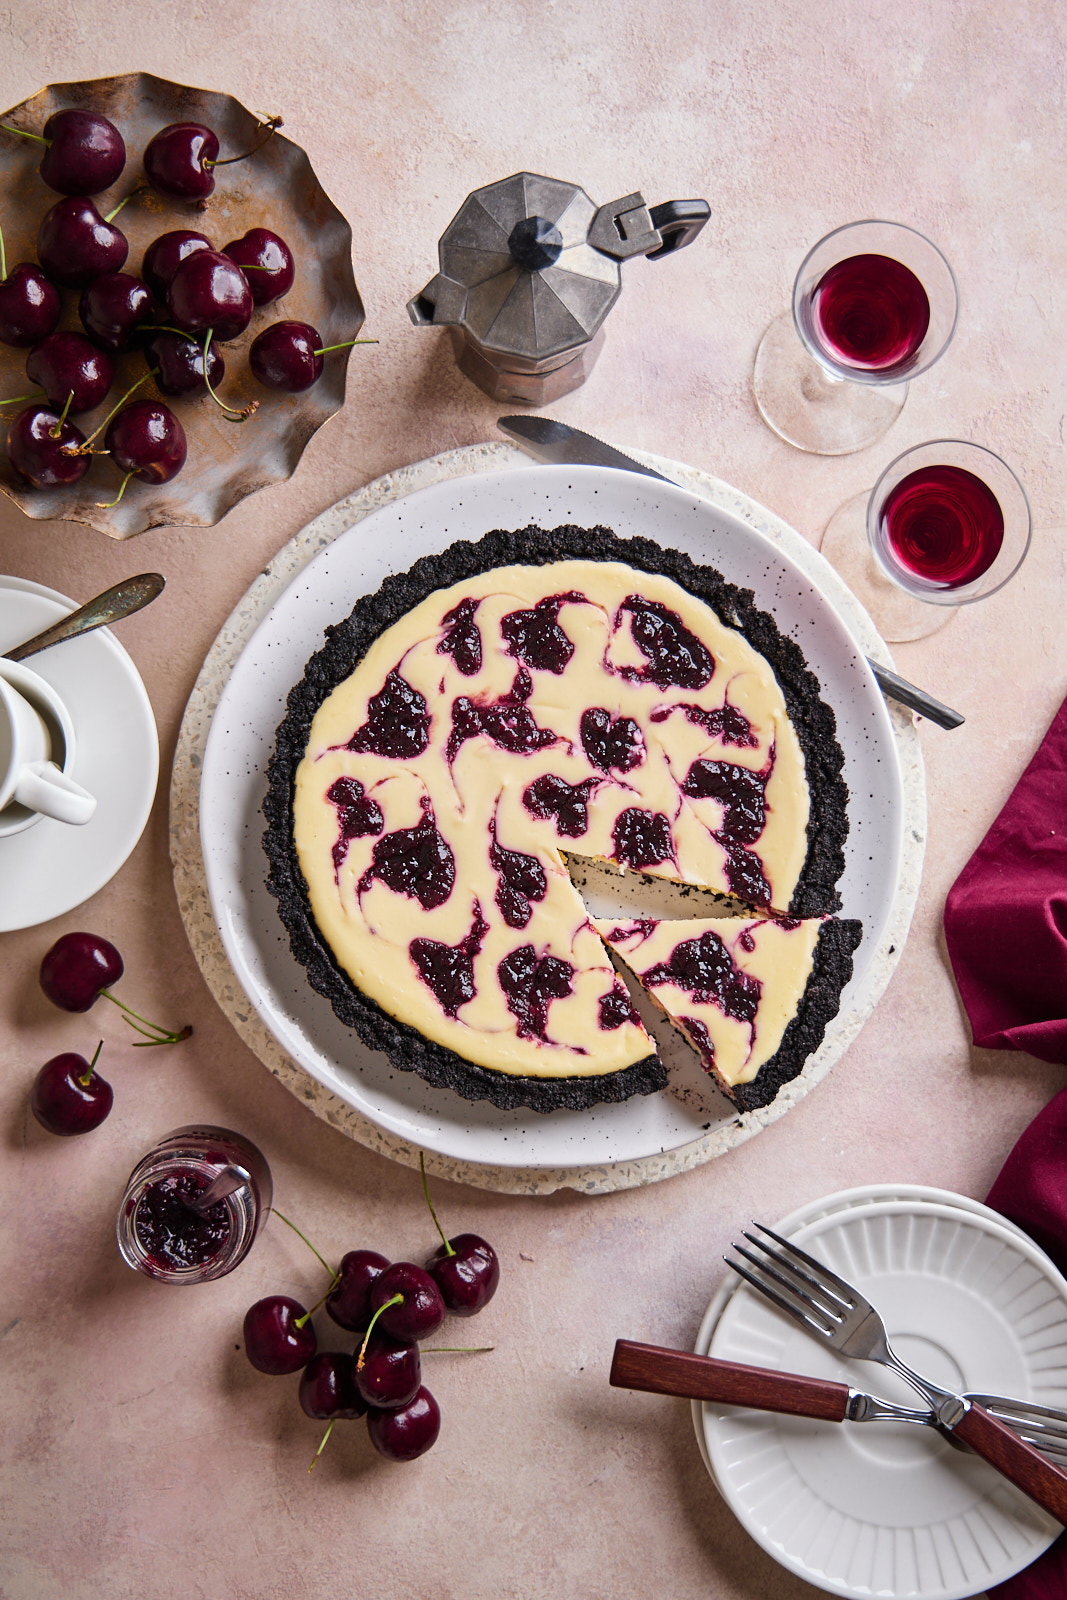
x,y
397,1300
300,1321
322,1446
105,505
14,399
231,413
282,1218
57,427
142,188
3,258
157,1035
83,450
87,1074
271,125
429,1202
344,345
24,134
457,1349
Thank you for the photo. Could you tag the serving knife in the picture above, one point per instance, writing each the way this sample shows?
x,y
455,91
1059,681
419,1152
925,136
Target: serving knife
x,y
561,445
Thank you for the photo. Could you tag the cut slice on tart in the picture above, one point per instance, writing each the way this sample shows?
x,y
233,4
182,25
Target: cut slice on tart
x,y
753,996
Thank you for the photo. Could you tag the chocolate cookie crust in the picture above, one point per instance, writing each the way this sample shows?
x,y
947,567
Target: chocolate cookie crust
x,y
348,641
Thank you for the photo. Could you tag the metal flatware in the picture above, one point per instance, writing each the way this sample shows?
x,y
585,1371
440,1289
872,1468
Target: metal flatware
x,y
561,445
837,1314
655,1370
121,601
229,1180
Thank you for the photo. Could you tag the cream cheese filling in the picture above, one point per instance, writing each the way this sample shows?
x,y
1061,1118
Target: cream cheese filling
x,y
477,785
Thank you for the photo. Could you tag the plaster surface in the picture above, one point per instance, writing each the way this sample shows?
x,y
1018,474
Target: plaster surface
x,y
142,1456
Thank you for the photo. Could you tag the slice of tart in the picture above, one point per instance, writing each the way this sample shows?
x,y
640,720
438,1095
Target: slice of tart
x,y
753,997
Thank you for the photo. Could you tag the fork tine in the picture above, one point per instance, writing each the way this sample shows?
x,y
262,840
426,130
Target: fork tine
x,y
802,1283
841,1290
798,1312
785,1280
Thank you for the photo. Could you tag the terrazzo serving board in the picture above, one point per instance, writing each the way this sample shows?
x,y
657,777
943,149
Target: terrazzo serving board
x,y
724,1132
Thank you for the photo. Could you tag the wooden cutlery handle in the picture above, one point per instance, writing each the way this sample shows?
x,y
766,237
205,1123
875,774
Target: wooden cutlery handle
x,y
693,1377
1026,1467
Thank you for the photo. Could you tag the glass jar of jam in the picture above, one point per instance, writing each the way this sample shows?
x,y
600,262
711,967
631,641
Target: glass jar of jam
x,y
159,1231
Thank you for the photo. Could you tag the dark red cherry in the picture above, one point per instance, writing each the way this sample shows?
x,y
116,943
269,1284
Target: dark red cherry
x,y
66,364
175,160
327,1388
420,1312
391,1372
408,1433
273,1342
78,968
349,1303
163,255
286,356
468,1277
69,1096
147,439
75,244
270,260
209,291
179,363
85,153
29,306
47,459
113,307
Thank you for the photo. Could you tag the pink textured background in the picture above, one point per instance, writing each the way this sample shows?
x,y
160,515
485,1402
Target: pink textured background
x,y
143,1457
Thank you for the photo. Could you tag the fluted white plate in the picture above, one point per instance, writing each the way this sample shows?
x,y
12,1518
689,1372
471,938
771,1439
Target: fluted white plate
x,y
886,1509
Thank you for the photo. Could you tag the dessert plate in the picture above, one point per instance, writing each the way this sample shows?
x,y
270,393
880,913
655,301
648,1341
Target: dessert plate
x,y
272,660
889,1509
51,868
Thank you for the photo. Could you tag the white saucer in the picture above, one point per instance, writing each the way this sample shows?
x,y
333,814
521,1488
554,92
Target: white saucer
x,y
886,1509
51,868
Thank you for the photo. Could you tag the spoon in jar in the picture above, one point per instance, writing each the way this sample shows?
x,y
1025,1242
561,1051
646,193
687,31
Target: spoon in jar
x,y
229,1180
111,606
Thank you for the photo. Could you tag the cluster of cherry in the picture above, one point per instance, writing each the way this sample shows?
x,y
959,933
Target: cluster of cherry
x,y
189,298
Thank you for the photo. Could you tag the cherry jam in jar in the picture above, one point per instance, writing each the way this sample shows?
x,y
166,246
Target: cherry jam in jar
x,y
160,1233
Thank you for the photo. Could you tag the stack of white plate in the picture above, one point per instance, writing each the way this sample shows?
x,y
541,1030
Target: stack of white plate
x,y
890,1509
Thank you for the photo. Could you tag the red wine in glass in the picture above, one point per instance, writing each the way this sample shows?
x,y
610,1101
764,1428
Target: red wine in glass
x,y
942,525
870,311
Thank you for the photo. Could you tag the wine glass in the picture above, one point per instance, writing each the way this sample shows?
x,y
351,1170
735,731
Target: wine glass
x,y
874,305
947,523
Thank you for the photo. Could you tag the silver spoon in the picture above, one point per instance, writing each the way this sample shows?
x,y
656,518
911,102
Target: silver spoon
x,y
229,1180
111,606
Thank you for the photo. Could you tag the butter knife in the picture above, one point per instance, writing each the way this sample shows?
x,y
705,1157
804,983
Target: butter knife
x,y
561,445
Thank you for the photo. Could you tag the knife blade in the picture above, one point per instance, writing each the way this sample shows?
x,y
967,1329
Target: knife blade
x,y
558,444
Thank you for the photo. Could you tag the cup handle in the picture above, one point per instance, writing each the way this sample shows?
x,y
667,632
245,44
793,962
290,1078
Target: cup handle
x,y
44,788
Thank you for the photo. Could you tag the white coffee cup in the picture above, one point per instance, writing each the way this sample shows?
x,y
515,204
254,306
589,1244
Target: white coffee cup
x,y
36,754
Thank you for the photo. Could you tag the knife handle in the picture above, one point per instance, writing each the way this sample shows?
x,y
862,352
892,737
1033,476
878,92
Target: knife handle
x,y
692,1377
1019,1462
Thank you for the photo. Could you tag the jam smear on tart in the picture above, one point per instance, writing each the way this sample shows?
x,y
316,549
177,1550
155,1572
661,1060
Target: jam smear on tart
x,y
398,723
448,969
724,722
463,641
357,815
675,655
642,838
415,861
522,879
705,969
530,983
616,1008
612,745
535,637
508,722
701,1040
742,794
552,796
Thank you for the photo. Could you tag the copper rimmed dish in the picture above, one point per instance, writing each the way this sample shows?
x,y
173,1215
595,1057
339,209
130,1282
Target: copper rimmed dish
x,y
276,188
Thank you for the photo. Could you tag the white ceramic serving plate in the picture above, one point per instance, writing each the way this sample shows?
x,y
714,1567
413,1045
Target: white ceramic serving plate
x,y
273,660
52,867
889,1509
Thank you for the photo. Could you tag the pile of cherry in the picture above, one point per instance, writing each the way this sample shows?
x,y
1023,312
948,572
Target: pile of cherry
x,y
390,1306
189,299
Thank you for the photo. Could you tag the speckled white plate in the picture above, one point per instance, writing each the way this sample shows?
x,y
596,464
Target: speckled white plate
x,y
610,1146
50,868
887,1509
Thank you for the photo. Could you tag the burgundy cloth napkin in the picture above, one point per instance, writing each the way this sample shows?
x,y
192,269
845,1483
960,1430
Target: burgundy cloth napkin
x,y
1006,914
1031,1190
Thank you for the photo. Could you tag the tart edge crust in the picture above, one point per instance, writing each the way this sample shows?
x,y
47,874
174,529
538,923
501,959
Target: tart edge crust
x,y
346,644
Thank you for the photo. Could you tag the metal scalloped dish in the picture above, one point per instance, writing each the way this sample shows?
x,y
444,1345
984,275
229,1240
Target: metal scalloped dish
x,y
276,188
